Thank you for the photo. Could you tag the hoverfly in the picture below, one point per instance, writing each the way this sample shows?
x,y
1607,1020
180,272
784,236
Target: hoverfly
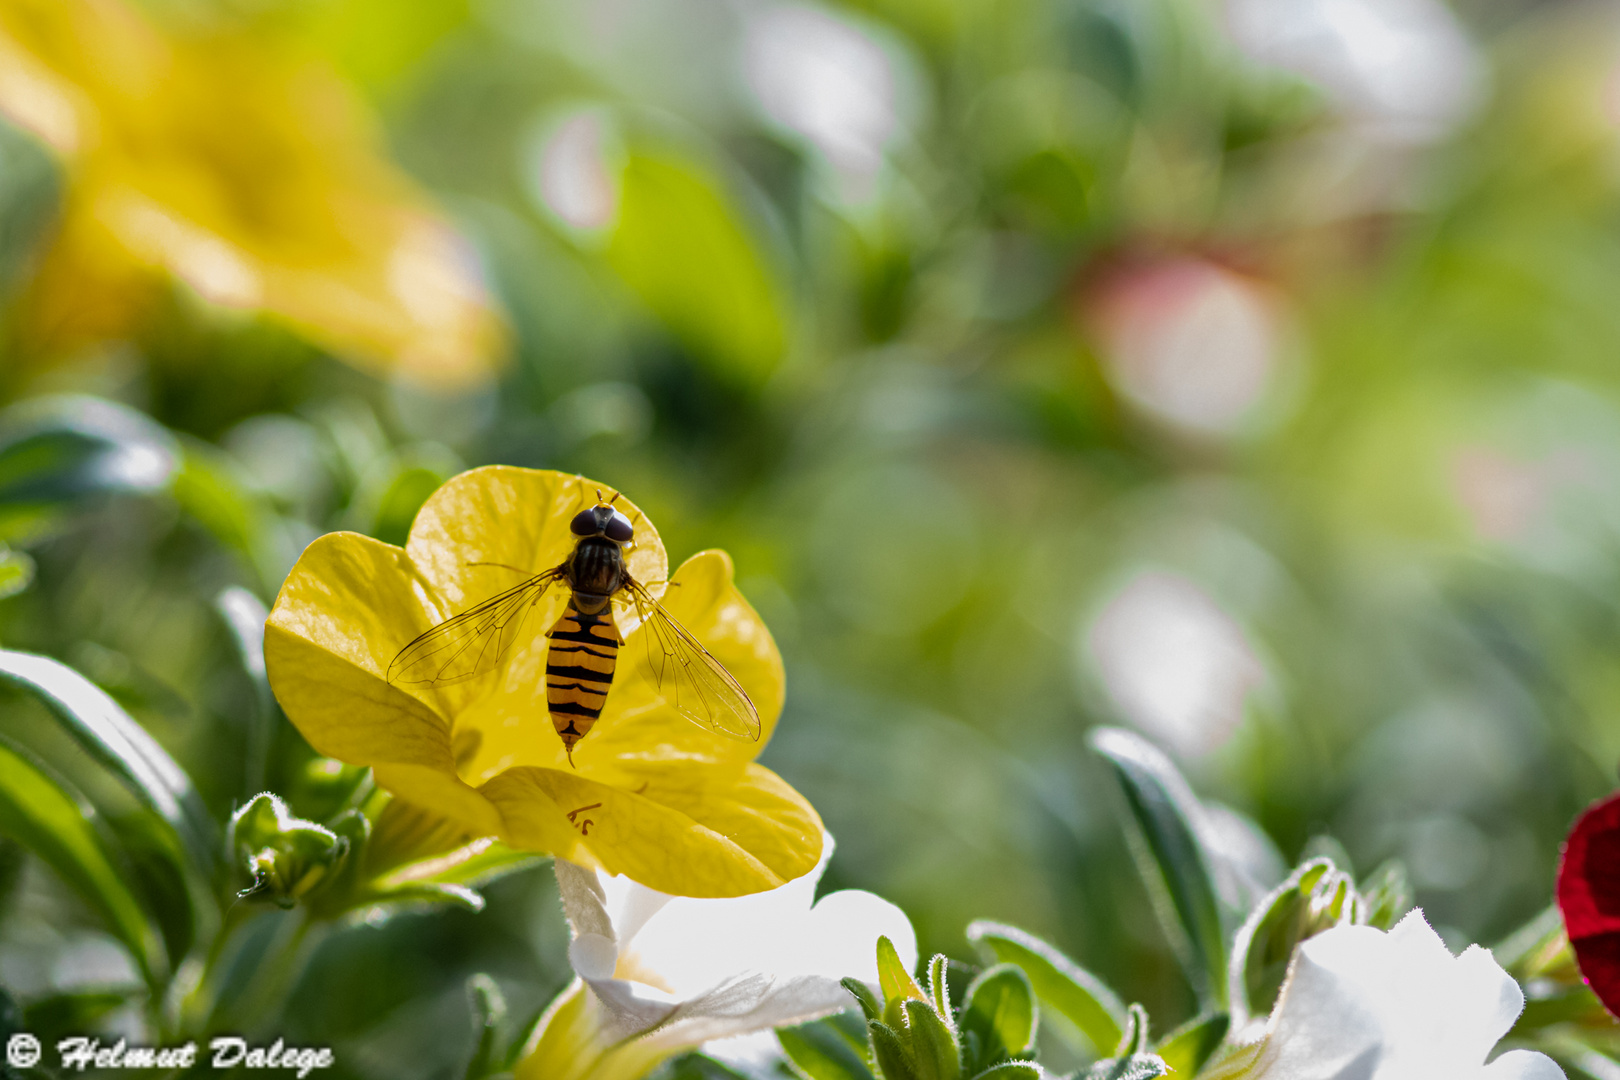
x,y
585,641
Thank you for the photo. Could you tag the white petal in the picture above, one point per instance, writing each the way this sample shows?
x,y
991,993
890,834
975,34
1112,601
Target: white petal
x,y
840,936
632,1007
753,1004
584,899
1523,1065
593,956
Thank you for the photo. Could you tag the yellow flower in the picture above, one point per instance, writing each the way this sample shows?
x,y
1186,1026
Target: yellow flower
x,y
245,169
649,795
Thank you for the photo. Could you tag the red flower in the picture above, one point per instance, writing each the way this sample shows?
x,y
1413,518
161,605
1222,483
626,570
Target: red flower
x,y
1589,897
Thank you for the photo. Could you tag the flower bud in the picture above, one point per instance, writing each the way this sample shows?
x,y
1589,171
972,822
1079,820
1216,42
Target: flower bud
x,y
287,857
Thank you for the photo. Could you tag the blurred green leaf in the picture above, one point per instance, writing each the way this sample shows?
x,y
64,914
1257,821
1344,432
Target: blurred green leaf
x,y
999,1016
822,1052
50,1018
113,738
1387,895
1172,858
16,572
1060,984
684,250
39,811
59,452
1186,1049
489,1018
208,489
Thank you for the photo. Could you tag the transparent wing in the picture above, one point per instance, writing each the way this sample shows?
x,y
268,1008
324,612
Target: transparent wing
x,y
472,643
690,678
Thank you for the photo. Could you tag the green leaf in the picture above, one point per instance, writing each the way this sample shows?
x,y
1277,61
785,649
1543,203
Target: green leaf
x,y
1171,857
1061,985
114,739
1012,1070
1138,1067
1538,949
489,1016
51,1018
1186,1049
54,823
16,572
1387,896
1135,1040
999,1011
893,1060
1315,897
939,986
475,863
60,452
870,1006
209,489
821,1052
288,857
935,1054
895,982
683,249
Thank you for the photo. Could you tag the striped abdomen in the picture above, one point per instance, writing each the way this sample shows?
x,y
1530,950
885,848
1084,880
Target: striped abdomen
x,y
579,670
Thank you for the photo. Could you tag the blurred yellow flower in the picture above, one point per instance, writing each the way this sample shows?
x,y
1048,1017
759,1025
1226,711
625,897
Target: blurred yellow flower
x,y
246,169
654,797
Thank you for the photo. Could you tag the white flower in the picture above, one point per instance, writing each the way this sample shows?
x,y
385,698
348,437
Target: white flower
x,y
666,973
1362,1004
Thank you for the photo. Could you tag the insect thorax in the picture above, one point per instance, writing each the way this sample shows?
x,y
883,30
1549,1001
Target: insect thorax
x,y
596,569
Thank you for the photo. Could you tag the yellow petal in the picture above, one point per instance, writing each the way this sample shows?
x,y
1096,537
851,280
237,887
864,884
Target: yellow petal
x,y
248,169
656,798
343,612
518,517
573,1045
637,723
688,828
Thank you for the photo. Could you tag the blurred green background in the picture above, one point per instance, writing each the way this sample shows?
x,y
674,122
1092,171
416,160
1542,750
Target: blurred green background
x,y
1243,371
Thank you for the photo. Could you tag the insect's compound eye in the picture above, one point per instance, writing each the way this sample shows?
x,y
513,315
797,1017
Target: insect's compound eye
x,y
584,524
619,528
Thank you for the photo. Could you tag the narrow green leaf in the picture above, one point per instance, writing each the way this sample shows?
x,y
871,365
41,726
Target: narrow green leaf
x,y
1061,985
113,738
999,1009
44,815
56,452
1186,1049
1134,1042
821,1052
1538,949
1173,860
870,1006
475,863
939,987
489,1016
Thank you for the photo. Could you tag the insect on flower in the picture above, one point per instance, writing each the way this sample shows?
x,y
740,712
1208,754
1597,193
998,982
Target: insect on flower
x,y
585,642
